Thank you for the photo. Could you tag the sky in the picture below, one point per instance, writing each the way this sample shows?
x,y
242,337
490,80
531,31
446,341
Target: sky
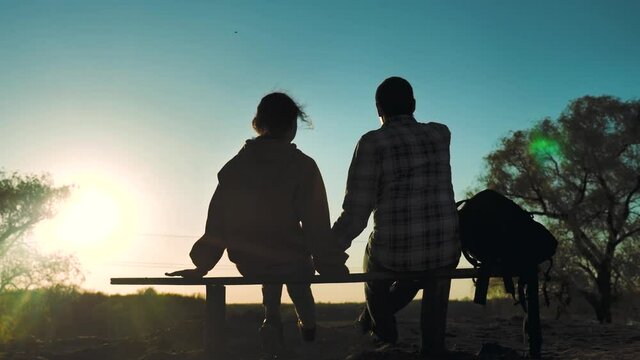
x,y
139,104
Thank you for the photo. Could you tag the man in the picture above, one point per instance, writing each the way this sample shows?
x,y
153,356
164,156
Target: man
x,y
401,173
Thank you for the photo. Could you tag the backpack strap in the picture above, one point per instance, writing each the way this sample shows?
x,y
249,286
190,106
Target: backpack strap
x,y
509,288
522,299
461,202
482,284
473,261
547,278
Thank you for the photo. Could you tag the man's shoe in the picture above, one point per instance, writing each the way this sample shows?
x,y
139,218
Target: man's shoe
x,y
307,333
363,322
386,331
266,356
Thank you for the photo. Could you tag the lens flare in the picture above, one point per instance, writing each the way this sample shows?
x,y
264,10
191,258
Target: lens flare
x,y
543,147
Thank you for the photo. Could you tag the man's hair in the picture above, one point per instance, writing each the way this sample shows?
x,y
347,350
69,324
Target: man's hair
x,y
276,114
395,97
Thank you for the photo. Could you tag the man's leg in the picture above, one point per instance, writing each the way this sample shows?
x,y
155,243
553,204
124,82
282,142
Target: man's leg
x,y
382,319
402,292
384,299
433,321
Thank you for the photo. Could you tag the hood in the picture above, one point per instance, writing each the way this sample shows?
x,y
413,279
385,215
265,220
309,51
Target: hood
x,y
266,158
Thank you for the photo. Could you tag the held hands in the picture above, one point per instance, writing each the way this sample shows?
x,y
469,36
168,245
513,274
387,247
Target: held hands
x,y
188,273
339,270
332,269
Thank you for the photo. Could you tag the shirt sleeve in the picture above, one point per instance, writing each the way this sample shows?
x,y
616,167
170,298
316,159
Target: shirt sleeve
x,y
361,193
207,251
328,254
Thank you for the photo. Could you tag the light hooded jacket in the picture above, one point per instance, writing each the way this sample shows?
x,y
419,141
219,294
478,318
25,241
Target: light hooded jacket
x,y
269,210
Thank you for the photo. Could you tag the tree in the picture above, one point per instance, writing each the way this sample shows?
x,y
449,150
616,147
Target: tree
x,y
581,172
25,201
24,267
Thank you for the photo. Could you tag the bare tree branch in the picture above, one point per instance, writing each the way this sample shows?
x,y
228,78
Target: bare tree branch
x,y
548,214
627,201
588,270
627,235
613,232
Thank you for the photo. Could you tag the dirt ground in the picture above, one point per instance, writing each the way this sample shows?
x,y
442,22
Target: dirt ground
x,y
470,327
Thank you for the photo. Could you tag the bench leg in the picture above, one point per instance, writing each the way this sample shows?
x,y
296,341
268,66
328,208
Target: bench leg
x,y
214,323
534,330
433,317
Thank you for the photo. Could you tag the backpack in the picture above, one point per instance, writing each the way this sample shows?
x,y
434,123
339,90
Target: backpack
x,y
497,234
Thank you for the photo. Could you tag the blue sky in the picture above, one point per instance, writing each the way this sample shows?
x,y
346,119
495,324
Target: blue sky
x,y
153,97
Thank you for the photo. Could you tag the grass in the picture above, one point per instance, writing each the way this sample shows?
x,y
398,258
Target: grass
x,y
58,313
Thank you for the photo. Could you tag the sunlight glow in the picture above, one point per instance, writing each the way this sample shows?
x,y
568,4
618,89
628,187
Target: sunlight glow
x,y
92,217
95,222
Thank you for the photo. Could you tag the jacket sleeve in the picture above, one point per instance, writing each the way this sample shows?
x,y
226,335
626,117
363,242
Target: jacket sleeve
x,y
328,255
360,195
207,251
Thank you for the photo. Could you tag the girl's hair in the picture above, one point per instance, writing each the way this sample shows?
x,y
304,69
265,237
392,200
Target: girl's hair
x,y
277,113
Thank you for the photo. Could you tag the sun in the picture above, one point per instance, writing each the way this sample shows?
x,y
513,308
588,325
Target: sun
x,y
92,217
95,222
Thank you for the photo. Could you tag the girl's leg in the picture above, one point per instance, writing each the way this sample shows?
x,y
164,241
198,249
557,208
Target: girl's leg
x,y
271,335
304,303
271,295
302,297
305,309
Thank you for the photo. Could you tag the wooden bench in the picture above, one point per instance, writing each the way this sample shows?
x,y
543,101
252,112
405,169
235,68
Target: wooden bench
x,y
215,298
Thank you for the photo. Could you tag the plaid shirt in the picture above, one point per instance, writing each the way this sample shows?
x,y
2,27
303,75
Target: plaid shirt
x,y
401,173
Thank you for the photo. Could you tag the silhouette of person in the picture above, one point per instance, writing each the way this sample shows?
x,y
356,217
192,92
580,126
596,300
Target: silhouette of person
x,y
401,173
270,213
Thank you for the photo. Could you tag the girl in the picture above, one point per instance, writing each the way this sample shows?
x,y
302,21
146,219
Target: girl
x,y
270,213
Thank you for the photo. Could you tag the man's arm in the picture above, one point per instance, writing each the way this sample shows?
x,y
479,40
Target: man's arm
x,y
361,193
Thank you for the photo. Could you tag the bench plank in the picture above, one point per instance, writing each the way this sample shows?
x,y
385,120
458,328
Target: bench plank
x,y
316,279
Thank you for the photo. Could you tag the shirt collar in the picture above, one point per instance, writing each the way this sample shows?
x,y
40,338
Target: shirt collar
x,y
399,119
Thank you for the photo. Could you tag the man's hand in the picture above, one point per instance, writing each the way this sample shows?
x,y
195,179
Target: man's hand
x,y
333,270
188,273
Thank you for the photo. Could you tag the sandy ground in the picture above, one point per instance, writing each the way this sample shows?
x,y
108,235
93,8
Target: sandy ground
x,y
469,327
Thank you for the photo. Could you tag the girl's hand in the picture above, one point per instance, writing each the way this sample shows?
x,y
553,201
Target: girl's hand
x,y
188,273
